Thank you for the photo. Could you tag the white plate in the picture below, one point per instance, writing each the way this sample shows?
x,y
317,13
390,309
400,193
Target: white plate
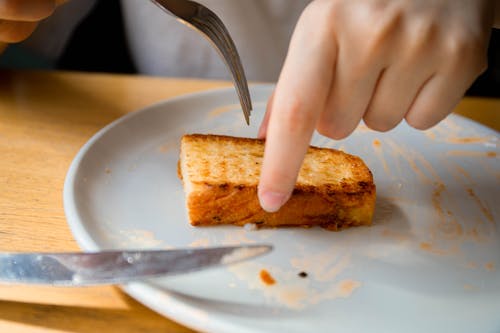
x,y
430,263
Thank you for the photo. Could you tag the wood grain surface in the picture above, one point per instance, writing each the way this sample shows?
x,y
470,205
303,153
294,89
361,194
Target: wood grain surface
x,y
45,117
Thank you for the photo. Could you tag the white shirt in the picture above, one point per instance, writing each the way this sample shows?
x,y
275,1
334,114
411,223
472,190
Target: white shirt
x,y
261,30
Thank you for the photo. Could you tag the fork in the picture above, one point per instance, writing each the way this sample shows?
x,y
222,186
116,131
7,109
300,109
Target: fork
x,y
206,22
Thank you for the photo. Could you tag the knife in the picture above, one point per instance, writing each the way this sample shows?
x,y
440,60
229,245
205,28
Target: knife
x,y
116,267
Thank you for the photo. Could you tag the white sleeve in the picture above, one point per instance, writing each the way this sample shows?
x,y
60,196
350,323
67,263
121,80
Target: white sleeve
x,y
261,30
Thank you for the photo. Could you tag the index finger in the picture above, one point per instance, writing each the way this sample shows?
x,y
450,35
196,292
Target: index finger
x,y
300,97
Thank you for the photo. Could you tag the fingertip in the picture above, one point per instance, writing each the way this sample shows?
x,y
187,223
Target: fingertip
x,y
272,201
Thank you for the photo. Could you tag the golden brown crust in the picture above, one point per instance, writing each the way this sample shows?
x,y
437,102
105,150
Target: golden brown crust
x,y
239,205
336,205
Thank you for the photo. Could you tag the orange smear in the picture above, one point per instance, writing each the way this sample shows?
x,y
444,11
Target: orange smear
x,y
428,166
346,287
490,266
223,109
409,159
487,168
481,205
447,224
468,153
467,140
167,147
378,150
474,235
425,246
463,172
471,265
394,235
428,247
431,135
266,278
469,287
491,154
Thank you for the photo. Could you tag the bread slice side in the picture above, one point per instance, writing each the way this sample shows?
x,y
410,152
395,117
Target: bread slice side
x,y
221,173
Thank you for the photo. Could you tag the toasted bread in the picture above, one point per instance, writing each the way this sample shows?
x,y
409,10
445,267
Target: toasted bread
x,y
220,175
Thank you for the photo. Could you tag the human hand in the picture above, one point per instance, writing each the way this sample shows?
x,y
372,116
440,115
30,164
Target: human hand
x,y
377,60
19,18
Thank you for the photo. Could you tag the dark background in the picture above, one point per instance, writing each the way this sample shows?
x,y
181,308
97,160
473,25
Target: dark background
x,y
106,49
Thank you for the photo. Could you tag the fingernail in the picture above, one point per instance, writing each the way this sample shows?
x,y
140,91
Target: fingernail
x,y
271,202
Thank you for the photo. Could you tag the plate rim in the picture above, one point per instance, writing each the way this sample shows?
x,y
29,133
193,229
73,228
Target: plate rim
x,y
84,240
138,290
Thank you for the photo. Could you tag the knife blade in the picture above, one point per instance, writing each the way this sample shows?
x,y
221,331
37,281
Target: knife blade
x,y
116,267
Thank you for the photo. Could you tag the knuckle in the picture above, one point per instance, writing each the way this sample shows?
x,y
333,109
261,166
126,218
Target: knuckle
x,y
319,7
294,117
458,45
321,13
423,36
374,44
382,30
464,48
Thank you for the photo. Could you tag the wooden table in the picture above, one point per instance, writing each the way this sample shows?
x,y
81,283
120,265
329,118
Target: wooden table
x,y
45,117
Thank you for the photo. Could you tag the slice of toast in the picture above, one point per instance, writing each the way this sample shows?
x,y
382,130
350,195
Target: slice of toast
x,y
221,173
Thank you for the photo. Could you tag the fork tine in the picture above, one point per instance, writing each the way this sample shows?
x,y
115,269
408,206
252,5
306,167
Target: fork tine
x,y
203,20
240,82
232,61
213,28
